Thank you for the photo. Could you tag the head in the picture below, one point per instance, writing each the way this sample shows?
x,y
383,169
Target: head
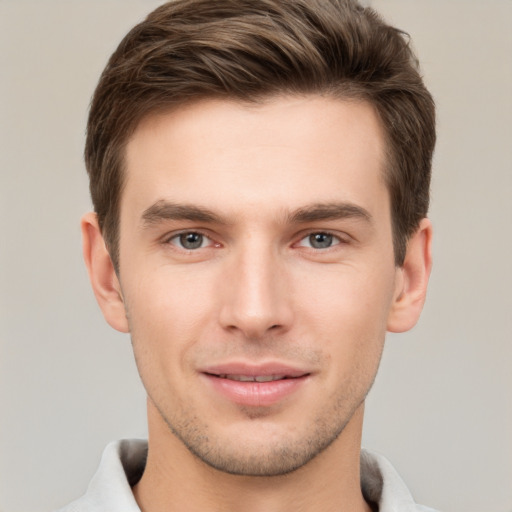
x,y
260,174
249,50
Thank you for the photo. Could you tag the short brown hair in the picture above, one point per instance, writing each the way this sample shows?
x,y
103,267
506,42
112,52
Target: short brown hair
x,y
245,50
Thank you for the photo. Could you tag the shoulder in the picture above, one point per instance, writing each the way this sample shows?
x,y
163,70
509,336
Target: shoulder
x,y
382,485
122,464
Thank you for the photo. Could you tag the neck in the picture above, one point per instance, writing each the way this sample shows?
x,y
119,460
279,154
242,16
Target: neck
x,y
175,480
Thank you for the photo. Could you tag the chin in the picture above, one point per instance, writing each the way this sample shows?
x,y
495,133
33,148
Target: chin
x,y
265,454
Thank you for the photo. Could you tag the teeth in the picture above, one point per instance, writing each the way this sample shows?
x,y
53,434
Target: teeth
x,y
269,378
251,378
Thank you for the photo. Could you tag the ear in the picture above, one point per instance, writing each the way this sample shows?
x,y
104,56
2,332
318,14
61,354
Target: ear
x,y
102,275
412,280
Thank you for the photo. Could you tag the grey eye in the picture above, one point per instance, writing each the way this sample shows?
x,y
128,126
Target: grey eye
x,y
190,241
320,240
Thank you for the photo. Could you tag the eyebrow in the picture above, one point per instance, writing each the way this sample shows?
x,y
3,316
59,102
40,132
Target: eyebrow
x,y
329,211
164,210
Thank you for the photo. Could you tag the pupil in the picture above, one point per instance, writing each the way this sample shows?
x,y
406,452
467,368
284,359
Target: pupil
x,y
191,240
320,240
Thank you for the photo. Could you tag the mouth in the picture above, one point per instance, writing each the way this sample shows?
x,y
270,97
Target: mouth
x,y
255,386
251,378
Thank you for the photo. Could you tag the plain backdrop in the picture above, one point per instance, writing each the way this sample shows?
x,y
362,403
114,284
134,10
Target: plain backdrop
x,y
441,408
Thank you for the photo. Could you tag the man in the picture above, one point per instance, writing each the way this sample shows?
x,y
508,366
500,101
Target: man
x,y
260,176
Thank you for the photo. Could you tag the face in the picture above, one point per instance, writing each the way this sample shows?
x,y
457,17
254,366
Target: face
x,y
257,274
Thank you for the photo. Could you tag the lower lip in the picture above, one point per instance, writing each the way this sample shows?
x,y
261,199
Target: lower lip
x,y
256,394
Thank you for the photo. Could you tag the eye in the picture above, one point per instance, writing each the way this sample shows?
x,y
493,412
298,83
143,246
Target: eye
x,y
320,240
190,240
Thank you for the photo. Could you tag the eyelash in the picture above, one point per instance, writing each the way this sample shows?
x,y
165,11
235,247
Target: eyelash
x,y
336,239
177,236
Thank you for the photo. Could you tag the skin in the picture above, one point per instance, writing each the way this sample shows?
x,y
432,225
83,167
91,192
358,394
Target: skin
x,y
293,265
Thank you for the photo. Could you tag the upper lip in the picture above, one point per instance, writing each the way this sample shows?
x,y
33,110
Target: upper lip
x,y
255,370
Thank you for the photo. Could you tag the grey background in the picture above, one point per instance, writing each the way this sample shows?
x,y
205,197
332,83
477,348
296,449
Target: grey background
x,y
441,409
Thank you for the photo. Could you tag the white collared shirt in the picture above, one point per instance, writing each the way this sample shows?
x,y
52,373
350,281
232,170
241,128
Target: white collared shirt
x,y
122,465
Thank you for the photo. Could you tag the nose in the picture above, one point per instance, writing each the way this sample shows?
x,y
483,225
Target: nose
x,y
256,296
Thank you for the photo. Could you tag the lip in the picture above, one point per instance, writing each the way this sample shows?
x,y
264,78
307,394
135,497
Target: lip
x,y
251,393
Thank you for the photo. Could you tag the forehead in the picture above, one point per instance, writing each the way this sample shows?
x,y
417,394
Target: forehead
x,y
280,153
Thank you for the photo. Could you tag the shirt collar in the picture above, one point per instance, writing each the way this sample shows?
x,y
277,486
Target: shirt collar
x,y
123,462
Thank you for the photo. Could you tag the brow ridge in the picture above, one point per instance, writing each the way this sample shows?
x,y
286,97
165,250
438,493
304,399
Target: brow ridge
x,y
164,210
329,211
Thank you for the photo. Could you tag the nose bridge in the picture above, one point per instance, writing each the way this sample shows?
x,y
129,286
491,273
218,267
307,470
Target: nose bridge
x,y
256,298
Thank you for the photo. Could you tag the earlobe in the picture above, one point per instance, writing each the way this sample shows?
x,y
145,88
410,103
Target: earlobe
x,y
412,280
102,275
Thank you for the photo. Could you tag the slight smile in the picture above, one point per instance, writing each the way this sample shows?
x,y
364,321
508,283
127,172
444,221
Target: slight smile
x,y
255,386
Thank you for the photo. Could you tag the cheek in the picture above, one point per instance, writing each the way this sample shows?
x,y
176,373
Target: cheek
x,y
168,296
347,296
347,316
167,311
